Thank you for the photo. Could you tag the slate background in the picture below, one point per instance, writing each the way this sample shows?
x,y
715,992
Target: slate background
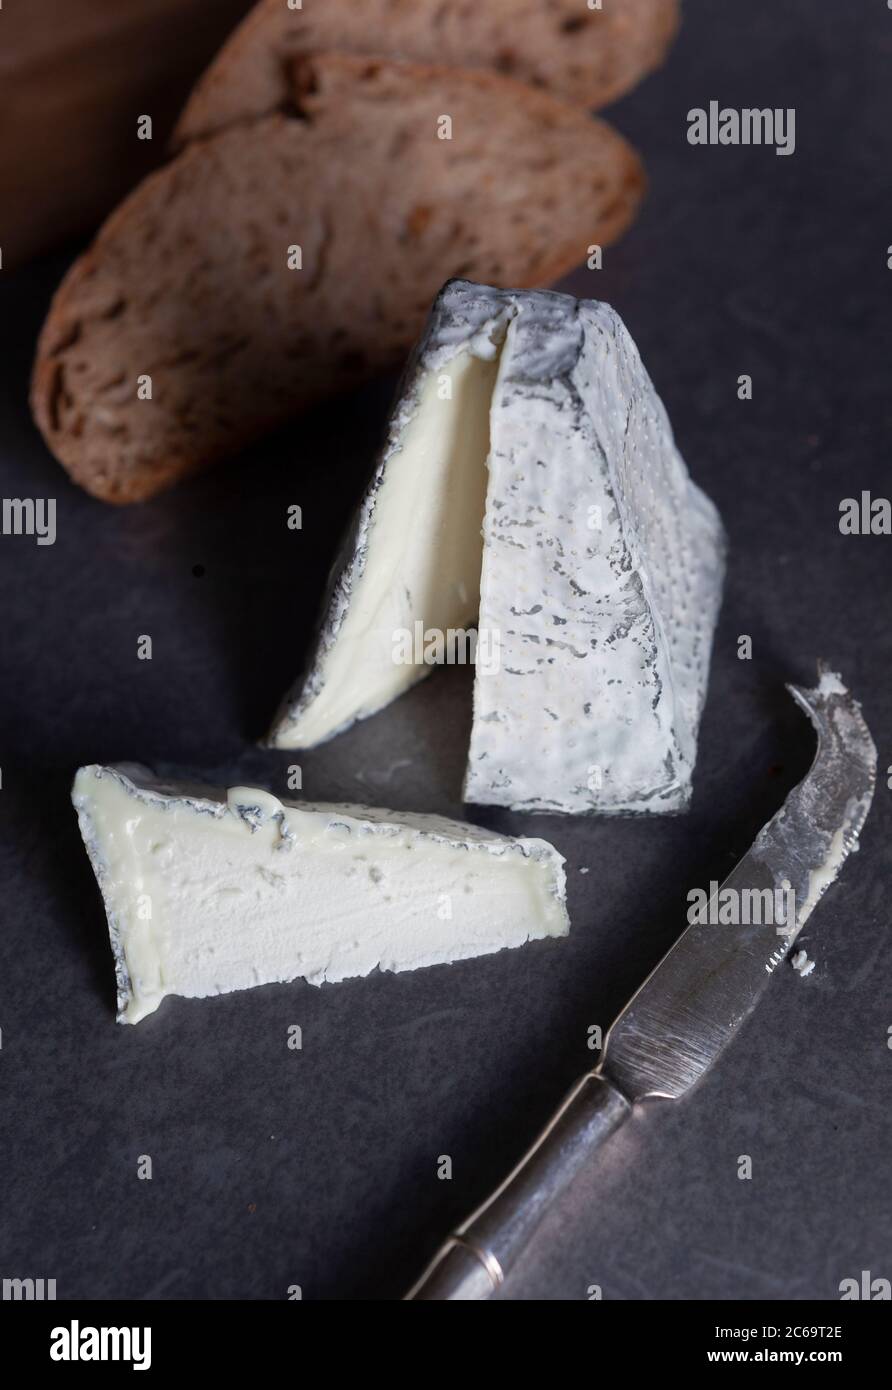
x,y
319,1167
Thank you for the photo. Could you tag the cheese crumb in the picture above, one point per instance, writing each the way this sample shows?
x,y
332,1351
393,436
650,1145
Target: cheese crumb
x,y
802,964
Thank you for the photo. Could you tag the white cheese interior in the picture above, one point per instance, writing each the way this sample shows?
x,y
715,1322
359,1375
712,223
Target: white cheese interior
x,y
423,555
207,896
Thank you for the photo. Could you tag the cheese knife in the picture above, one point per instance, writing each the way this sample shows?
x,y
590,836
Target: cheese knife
x,y
690,1007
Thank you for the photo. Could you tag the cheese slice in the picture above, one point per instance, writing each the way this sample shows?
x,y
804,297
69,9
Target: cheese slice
x,y
597,571
205,894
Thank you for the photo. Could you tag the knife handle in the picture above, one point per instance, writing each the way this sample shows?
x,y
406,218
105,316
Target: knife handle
x,y
474,1260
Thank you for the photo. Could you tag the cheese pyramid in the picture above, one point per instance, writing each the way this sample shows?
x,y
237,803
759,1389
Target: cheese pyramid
x,y
530,481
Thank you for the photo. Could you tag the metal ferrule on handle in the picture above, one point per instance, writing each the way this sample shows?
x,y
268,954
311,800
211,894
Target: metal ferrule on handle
x,y
473,1262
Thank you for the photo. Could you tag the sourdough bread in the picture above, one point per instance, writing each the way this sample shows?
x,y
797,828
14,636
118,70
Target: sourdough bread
x,y
188,282
588,56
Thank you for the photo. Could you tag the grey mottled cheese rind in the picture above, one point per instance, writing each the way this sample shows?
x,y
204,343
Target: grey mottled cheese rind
x,y
602,576
207,892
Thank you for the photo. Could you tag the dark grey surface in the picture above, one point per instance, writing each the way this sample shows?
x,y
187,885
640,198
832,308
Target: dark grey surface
x,y
273,1167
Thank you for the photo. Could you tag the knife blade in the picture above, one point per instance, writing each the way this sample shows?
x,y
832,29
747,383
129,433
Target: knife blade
x,y
690,1007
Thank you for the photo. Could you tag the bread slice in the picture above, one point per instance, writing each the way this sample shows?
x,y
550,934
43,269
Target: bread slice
x,y
588,56
188,282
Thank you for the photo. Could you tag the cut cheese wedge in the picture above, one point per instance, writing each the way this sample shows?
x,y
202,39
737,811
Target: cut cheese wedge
x,y
205,894
531,477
